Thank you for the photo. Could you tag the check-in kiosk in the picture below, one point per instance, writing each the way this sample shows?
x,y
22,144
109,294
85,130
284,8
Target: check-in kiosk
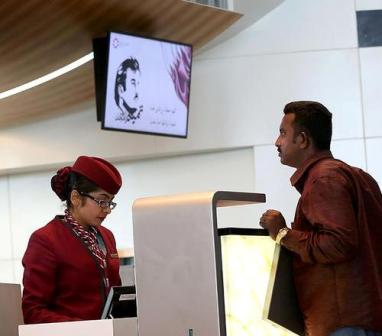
x,y
194,279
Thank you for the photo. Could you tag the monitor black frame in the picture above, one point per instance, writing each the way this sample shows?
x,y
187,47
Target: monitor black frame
x,y
118,306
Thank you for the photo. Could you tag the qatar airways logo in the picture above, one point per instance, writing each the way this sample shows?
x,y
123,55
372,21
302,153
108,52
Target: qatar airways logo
x,y
119,43
115,42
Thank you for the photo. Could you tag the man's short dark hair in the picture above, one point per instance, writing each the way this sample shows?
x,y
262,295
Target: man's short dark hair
x,y
129,63
314,119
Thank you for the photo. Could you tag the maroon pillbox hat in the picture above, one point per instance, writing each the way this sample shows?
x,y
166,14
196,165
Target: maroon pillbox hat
x,y
100,172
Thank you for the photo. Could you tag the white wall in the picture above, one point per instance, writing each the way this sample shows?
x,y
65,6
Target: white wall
x,y
301,50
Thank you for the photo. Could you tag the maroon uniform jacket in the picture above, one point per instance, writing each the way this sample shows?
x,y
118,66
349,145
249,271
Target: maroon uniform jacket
x,y
337,240
62,279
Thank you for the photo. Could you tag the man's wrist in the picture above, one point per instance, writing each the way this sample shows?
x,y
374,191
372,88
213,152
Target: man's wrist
x,y
281,234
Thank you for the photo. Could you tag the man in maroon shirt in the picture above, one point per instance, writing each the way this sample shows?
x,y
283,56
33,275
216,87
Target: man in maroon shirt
x,y
336,236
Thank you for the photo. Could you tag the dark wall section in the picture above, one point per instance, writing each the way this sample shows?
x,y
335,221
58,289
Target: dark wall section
x,y
369,25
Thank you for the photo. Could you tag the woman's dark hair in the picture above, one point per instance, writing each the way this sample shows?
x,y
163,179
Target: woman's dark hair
x,y
314,119
65,181
79,183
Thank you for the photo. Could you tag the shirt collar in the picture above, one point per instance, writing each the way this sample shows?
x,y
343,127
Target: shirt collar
x,y
298,178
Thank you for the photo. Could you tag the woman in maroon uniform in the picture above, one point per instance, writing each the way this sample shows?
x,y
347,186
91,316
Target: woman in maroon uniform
x,y
71,263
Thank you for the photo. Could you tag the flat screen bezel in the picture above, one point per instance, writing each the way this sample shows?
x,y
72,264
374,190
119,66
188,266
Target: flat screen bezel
x,y
114,297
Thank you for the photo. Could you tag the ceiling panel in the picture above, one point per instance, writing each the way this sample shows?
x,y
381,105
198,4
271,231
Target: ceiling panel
x,y
39,36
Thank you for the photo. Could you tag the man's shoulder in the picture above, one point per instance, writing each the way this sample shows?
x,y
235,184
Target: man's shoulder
x,y
329,165
332,168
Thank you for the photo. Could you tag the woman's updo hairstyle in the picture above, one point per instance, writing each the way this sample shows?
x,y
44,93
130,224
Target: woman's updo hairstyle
x,y
65,181
59,183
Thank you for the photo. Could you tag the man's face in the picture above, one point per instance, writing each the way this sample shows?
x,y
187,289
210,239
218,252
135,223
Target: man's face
x,y
130,95
288,143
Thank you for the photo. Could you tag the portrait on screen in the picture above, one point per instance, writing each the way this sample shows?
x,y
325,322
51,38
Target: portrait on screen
x,y
126,90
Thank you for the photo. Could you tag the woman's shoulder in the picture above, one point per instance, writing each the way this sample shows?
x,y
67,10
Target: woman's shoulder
x,y
44,238
105,231
107,235
55,227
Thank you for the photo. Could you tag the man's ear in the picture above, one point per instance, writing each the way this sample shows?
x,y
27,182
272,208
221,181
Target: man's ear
x,y
304,140
120,89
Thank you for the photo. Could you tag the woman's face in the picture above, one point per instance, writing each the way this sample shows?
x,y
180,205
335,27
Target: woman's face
x,y
86,209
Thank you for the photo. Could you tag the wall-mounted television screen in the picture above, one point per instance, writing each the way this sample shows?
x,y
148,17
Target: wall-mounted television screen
x,y
142,84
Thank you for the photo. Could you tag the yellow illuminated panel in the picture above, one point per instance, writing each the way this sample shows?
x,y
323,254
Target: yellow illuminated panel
x,y
247,262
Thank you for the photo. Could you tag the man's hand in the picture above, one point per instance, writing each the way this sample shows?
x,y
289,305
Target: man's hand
x,y
273,221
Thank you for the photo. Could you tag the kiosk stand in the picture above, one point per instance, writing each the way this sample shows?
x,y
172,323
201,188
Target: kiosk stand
x,y
178,262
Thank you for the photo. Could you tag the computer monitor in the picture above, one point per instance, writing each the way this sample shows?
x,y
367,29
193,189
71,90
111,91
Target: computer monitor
x,y
120,302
